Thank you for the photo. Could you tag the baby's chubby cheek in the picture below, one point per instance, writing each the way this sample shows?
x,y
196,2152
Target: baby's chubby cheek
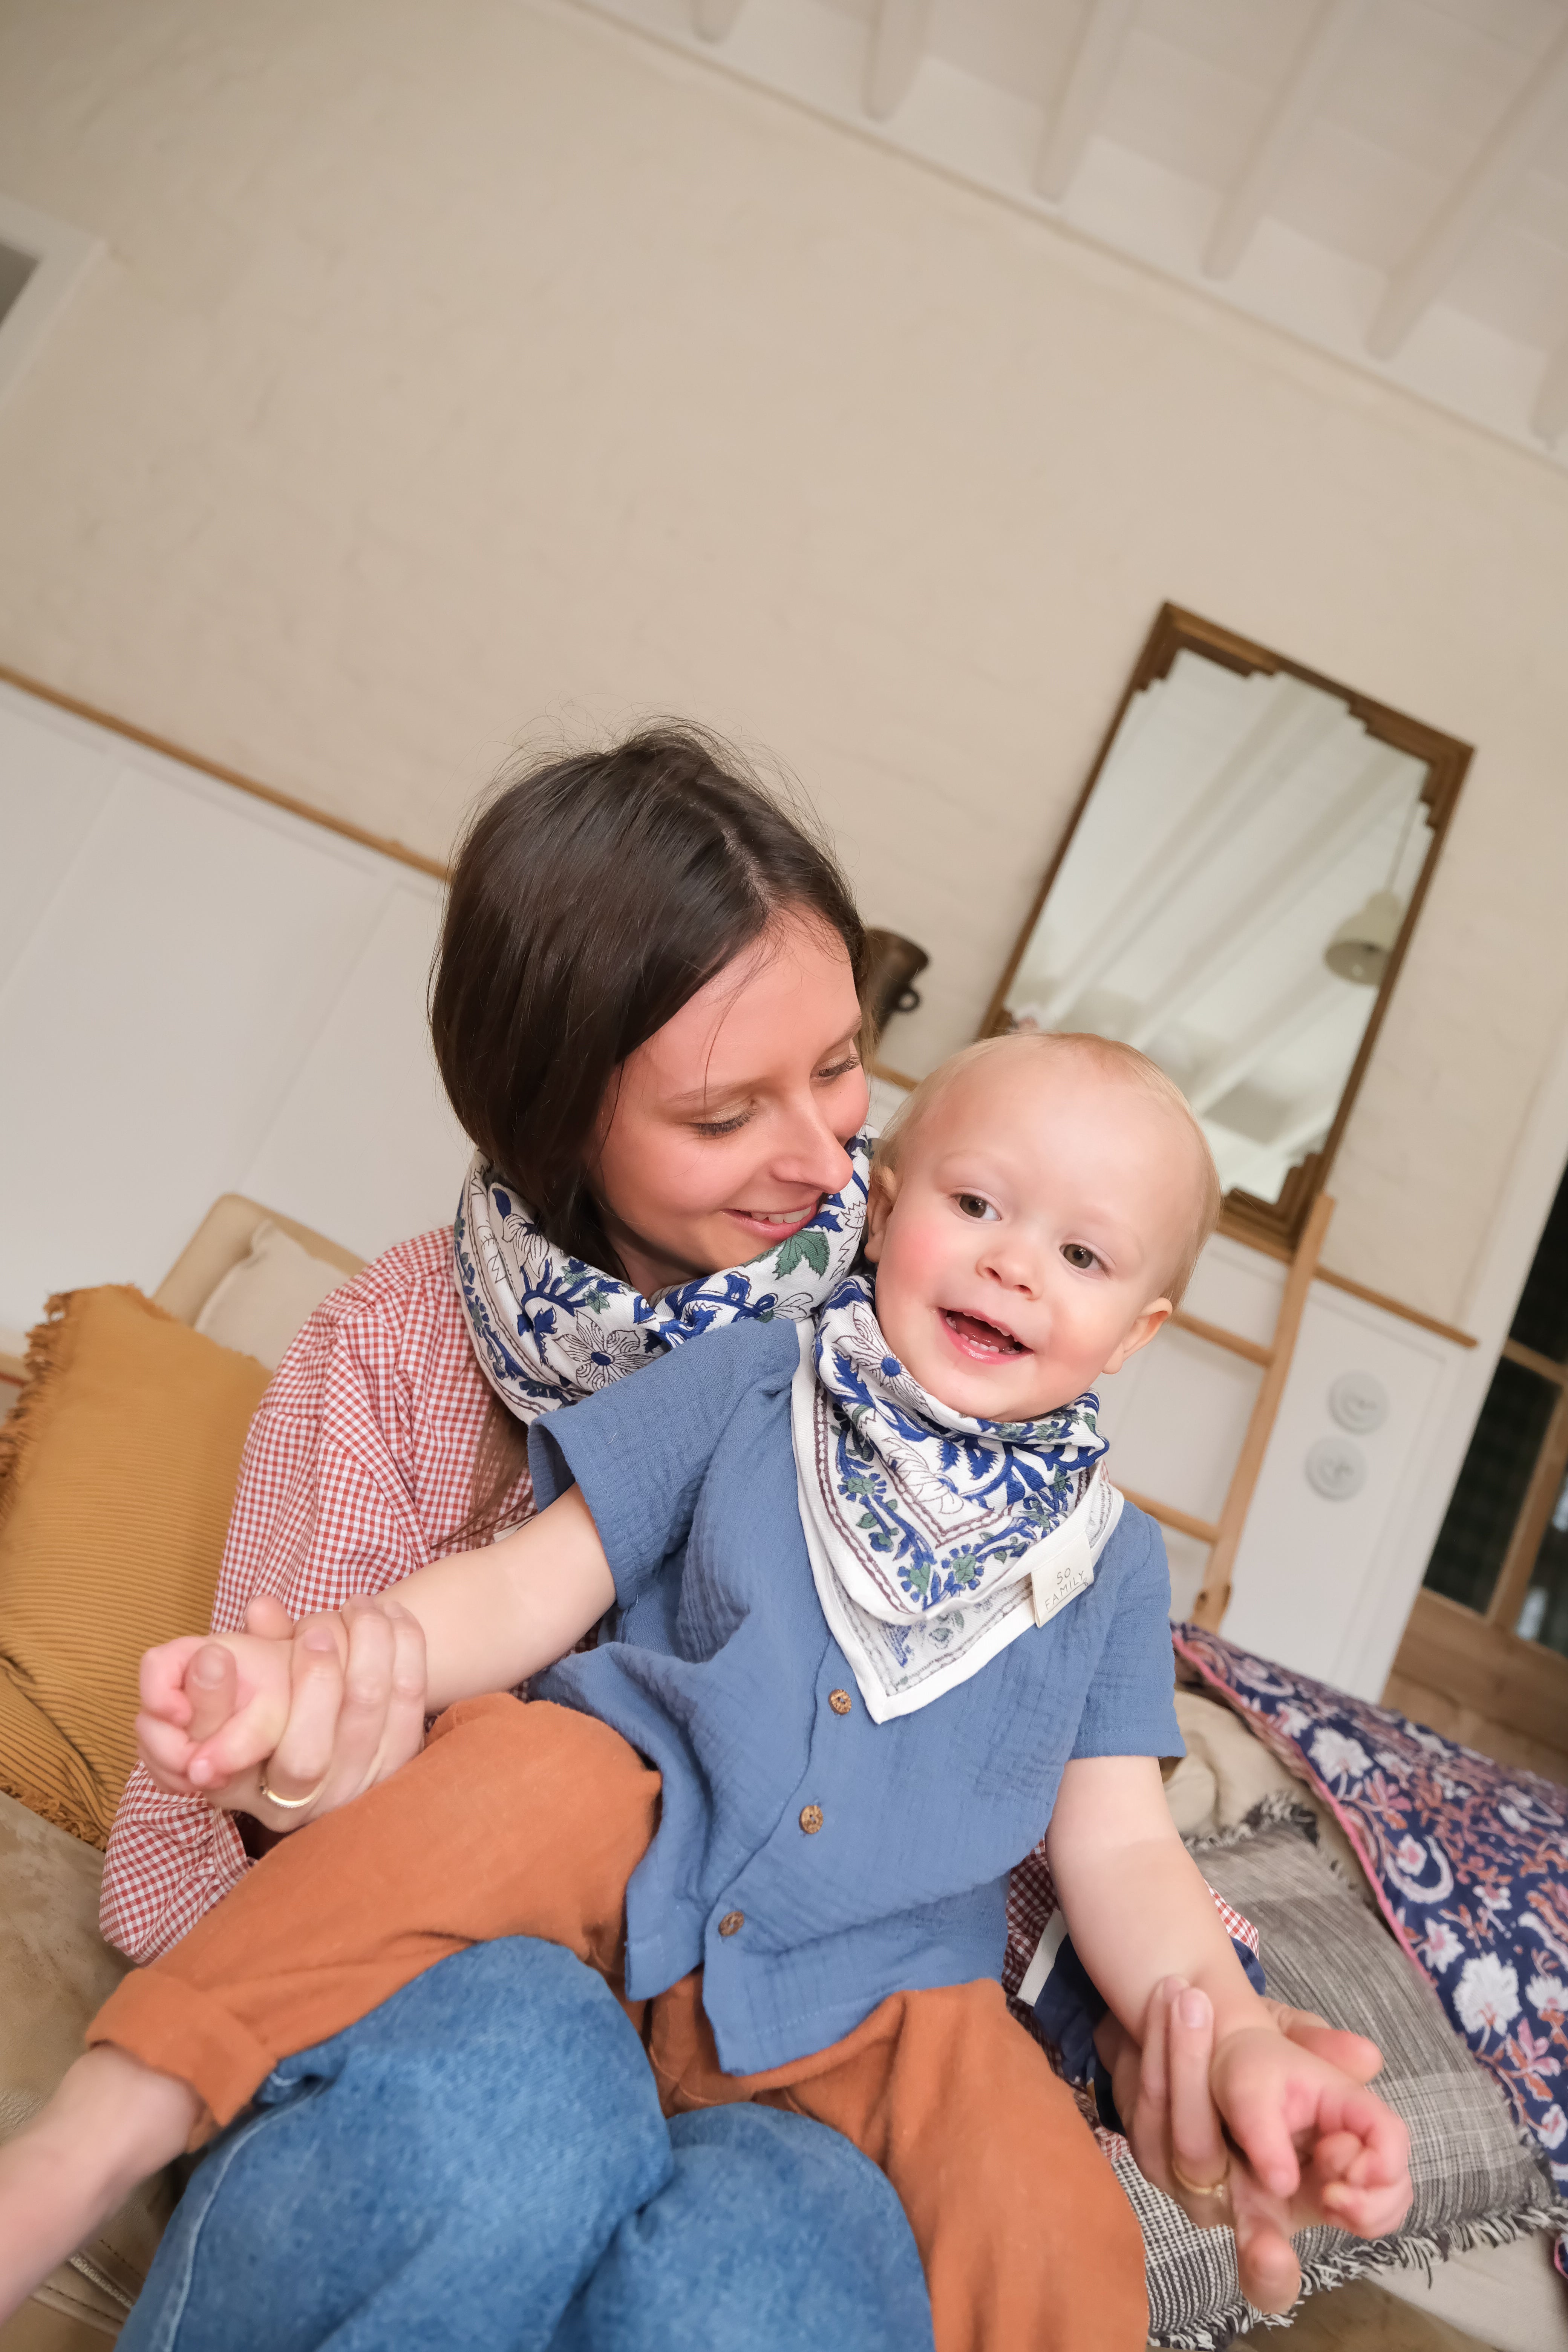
x,y
910,1272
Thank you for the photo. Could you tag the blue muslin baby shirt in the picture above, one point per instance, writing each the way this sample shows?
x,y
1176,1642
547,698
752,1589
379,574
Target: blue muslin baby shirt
x,y
845,1859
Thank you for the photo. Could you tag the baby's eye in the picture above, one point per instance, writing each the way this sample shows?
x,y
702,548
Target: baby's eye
x,y
1078,1257
970,1204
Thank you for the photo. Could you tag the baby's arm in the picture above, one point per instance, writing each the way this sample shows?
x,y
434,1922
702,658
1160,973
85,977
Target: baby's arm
x,y
486,1620
1141,1917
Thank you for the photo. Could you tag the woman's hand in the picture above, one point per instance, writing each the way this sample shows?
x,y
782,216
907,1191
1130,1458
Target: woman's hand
x,y
1163,2094
319,1712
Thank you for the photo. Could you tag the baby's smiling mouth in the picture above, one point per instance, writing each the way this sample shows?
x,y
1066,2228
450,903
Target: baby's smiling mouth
x,y
977,1337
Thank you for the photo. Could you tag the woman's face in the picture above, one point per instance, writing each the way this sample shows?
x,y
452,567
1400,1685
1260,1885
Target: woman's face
x,y
724,1132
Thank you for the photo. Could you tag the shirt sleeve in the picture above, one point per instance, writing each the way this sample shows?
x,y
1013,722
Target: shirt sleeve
x,y
328,1504
639,1450
1130,1707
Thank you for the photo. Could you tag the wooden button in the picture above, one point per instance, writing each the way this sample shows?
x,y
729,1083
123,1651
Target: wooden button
x,y
840,1702
811,1818
731,1923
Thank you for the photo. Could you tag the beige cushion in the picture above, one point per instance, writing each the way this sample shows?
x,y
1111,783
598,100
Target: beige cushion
x,y
222,1239
1227,1770
56,1971
262,1302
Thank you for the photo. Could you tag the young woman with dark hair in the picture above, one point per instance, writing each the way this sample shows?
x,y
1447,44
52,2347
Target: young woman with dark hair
x,y
645,1014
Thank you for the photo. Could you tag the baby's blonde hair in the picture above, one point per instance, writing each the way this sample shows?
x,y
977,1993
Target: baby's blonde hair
x,y
1115,1060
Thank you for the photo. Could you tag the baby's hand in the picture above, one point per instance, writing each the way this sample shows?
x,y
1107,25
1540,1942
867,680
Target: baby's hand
x,y
1311,2134
1165,2091
286,1723
214,1705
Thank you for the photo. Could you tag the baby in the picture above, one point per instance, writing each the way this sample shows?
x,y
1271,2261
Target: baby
x,y
875,1614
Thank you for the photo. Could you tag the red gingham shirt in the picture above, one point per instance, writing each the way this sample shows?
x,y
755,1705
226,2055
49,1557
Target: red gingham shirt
x,y
358,1469
1032,1901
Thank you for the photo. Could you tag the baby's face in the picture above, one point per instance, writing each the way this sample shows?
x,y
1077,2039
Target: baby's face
x,y
1021,1245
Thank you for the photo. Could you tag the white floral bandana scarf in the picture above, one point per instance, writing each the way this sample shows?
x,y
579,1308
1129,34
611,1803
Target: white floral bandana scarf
x,y
934,1540
548,1328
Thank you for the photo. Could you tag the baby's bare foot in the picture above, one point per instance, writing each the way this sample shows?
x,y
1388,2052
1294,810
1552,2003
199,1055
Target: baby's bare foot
x,y
112,2122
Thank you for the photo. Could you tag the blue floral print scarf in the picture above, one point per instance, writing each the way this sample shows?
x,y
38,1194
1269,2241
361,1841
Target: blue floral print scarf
x,y
935,1540
548,1330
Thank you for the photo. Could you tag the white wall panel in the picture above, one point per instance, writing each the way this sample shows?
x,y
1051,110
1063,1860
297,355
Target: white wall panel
x,y
201,993
52,786
1312,1573
364,1145
1320,1585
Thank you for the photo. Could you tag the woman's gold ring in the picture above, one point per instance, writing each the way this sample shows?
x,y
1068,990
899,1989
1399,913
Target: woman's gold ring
x,y
290,1804
1199,2188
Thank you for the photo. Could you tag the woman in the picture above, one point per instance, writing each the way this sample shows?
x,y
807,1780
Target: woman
x,y
645,1012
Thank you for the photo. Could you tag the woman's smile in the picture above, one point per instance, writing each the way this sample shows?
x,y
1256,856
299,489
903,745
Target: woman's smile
x,y
775,1224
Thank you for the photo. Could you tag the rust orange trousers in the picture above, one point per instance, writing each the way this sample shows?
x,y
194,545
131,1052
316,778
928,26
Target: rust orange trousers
x,y
528,1819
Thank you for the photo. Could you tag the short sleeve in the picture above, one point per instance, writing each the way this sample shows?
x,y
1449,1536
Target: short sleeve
x,y
1131,1707
640,1449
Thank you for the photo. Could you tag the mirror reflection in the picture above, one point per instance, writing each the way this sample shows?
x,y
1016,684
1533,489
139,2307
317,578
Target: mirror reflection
x,y
1229,901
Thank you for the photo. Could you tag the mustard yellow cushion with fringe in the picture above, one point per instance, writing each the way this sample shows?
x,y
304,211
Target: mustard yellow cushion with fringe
x,y
118,1467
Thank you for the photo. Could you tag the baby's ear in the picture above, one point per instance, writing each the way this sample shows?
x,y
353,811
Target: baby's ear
x,y
1139,1332
881,1192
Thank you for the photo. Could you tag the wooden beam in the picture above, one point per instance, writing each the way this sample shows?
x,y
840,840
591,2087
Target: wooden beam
x,y
714,20
1202,1530
1484,189
1231,1341
897,44
1395,1307
1211,1603
1517,1569
1542,1366
1549,418
1311,69
381,842
1083,95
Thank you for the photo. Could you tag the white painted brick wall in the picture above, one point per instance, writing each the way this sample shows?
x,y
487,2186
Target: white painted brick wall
x,y
457,375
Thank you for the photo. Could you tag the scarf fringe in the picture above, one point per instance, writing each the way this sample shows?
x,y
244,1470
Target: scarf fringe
x,y
1280,1805
1356,2258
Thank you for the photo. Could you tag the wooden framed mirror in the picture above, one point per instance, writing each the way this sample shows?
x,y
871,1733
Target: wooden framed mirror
x,y
1234,894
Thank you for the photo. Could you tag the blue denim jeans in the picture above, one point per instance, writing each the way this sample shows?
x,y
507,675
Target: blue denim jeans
x,y
482,2162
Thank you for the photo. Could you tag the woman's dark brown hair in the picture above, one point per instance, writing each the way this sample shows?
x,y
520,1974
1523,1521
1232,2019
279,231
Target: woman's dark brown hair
x,y
590,898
